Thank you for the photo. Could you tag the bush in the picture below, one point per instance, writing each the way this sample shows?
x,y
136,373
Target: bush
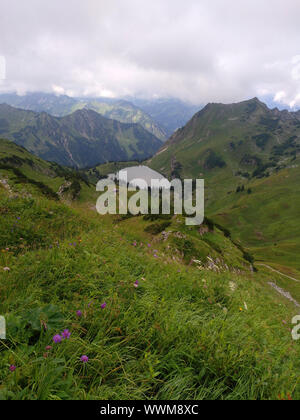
x,y
157,228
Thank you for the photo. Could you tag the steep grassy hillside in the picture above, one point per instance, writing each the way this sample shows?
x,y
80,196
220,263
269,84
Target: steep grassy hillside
x,y
62,105
249,158
82,139
27,171
150,324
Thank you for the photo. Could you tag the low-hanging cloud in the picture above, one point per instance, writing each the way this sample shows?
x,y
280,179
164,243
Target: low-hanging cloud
x,y
201,51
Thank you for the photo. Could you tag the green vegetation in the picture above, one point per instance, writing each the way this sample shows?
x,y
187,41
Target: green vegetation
x,y
151,326
260,148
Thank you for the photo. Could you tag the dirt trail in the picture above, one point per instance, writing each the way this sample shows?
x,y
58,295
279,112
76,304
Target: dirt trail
x,y
284,293
278,272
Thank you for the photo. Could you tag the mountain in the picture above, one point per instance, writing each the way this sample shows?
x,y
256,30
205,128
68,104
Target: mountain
x,y
248,155
82,139
62,105
170,114
247,137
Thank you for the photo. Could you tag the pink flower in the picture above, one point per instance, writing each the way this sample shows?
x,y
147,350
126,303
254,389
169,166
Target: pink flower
x,y
6,269
84,359
103,306
66,334
136,284
57,339
12,368
48,348
79,314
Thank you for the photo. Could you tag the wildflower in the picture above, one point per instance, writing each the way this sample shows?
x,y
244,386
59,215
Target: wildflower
x,y
57,339
84,359
134,243
136,284
149,245
6,269
48,348
155,256
79,314
241,309
12,368
66,334
103,306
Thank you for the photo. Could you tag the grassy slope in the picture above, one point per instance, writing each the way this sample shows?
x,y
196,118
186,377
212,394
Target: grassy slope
x,y
267,220
184,333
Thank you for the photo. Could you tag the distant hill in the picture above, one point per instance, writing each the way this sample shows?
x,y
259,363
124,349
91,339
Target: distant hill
x,y
248,155
82,139
62,105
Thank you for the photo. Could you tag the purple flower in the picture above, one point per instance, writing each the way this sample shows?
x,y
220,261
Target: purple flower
x,y
57,339
84,359
79,314
66,334
104,305
134,243
136,284
149,245
12,368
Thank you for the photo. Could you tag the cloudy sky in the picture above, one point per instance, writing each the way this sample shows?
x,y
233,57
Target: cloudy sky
x,y
197,50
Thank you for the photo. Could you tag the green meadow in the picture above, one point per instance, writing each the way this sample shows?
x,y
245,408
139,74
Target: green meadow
x,y
160,310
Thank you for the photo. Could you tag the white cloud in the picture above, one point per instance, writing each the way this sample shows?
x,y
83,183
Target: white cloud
x,y
200,51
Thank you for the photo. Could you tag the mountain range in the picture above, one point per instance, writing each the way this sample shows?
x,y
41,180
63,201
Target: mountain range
x,y
81,139
160,117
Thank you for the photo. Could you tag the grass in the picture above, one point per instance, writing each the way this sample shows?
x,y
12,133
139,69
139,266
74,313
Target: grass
x,y
183,333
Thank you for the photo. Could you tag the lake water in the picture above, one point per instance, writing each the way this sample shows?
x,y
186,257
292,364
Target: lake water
x,y
140,172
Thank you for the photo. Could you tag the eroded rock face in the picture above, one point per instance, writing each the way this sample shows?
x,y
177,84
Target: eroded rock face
x,y
69,190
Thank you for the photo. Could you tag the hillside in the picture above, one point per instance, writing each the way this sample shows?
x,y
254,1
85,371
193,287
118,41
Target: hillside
x,y
82,139
151,324
249,158
26,171
62,105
